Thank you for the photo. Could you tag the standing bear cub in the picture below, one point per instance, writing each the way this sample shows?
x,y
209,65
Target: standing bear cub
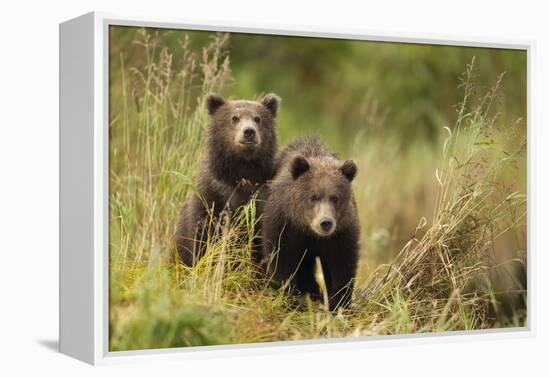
x,y
241,146
311,213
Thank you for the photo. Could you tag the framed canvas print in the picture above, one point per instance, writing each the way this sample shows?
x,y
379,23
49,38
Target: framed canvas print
x,y
231,189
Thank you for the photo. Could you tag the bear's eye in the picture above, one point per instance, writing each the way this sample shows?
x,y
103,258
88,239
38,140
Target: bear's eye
x,y
257,120
313,198
334,199
235,119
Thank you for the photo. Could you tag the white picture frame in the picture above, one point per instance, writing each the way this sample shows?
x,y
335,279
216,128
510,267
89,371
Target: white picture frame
x,y
84,282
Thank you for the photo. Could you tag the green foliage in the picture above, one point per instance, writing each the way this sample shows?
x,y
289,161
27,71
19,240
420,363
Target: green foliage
x,y
161,316
443,234
340,87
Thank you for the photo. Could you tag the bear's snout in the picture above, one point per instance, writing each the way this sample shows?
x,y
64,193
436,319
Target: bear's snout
x,y
249,134
323,222
326,224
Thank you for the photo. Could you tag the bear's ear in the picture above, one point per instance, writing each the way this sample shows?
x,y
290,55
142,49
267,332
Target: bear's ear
x,y
349,170
299,166
213,102
271,102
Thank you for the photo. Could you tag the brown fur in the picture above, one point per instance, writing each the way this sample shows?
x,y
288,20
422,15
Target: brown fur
x,y
235,167
310,181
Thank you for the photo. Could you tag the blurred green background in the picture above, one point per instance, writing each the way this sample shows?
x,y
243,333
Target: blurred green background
x,y
336,87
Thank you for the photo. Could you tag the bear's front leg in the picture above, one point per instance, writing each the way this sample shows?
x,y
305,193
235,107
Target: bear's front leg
x,y
339,261
340,295
283,254
305,277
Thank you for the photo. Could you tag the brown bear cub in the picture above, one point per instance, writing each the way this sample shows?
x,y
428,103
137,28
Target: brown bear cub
x,y
241,146
311,212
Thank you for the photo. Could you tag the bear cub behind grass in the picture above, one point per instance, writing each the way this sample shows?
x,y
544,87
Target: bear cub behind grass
x,y
241,146
311,213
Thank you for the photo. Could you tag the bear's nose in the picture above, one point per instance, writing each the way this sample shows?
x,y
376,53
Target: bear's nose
x,y
326,224
249,133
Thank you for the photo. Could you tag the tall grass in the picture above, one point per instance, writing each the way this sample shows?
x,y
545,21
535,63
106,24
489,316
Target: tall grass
x,y
441,280
445,275
156,131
